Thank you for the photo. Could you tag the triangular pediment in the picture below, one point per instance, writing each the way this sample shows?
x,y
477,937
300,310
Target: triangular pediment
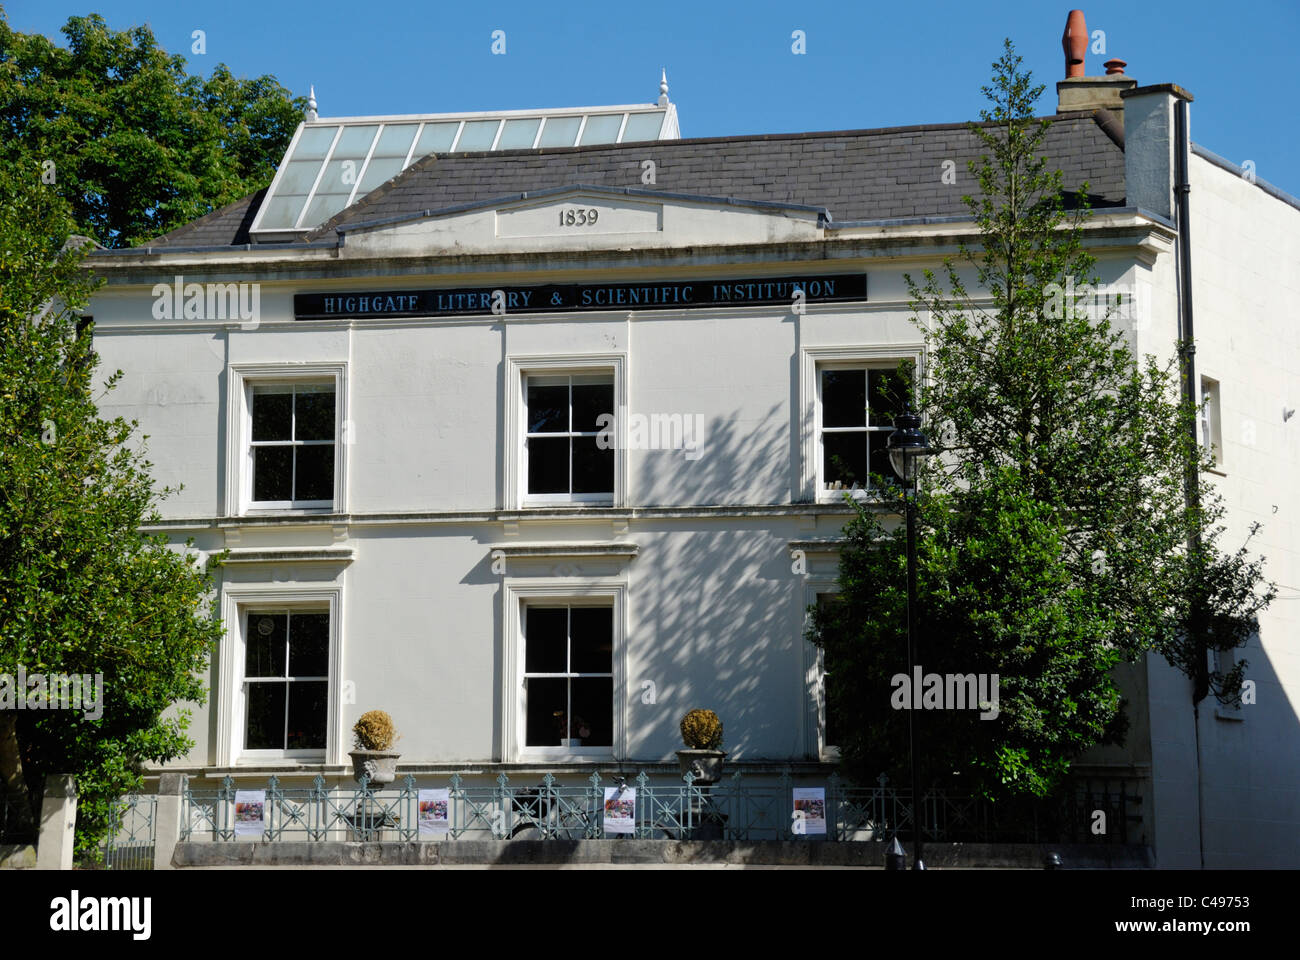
x,y
583,217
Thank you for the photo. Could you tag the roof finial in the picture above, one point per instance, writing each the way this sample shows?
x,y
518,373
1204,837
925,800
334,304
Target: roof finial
x,y
311,104
663,88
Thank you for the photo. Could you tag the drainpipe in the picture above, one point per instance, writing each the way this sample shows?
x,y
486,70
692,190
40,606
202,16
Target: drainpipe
x,y
1191,395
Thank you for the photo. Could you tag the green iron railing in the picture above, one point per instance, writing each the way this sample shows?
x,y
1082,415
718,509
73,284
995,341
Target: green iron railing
x,y
736,809
131,845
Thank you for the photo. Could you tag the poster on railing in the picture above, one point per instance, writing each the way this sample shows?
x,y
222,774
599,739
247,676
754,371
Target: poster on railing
x,y
620,810
250,813
435,812
809,811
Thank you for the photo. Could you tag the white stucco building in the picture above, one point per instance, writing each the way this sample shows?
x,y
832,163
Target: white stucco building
x,y
397,439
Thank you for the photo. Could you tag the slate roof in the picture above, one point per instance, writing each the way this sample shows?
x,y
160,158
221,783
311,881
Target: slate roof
x,y
895,172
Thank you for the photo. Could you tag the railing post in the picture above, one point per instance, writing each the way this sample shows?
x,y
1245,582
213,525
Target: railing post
x,y
833,818
596,819
167,818
505,799
58,823
646,803
787,799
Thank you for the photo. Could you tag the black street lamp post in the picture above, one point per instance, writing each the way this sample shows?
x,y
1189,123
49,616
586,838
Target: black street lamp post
x,y
907,445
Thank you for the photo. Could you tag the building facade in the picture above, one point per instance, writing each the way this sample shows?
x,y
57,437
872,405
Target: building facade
x,y
539,443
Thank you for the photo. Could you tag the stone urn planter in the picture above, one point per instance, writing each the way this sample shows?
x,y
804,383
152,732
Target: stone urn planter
x,y
704,765
374,757
379,767
702,759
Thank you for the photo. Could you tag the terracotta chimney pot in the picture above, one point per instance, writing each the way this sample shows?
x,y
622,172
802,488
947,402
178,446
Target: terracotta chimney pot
x,y
1075,43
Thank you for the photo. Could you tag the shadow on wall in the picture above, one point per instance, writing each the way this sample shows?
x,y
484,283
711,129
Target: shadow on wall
x,y
718,620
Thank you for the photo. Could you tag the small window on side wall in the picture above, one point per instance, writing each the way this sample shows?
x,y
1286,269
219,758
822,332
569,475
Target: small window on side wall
x,y
1211,421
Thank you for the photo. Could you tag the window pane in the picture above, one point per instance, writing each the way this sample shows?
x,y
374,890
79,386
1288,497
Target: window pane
x,y
314,413
273,473
879,447
272,413
309,645
379,170
593,468
282,212
299,175
602,129
314,142
519,134
643,126
592,633
323,207
829,603
845,458
548,465
593,703
589,402
395,140
435,137
265,717
560,131
546,640
307,714
546,704
548,407
315,472
355,142
478,135
264,646
340,176
888,396
844,398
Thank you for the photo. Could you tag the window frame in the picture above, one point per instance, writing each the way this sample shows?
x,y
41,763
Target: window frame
x,y
247,614
515,405
1209,421
814,361
597,592
815,669
593,603
544,499
243,379
232,708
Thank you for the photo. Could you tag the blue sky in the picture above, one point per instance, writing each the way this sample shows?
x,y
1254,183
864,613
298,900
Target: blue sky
x,y
730,66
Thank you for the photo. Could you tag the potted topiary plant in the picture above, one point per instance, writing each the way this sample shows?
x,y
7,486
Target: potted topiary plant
x,y
702,734
374,757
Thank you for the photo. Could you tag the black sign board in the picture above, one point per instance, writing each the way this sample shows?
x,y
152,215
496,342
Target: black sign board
x,y
560,298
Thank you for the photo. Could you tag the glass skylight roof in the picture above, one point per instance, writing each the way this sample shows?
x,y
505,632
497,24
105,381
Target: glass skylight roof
x,y
333,163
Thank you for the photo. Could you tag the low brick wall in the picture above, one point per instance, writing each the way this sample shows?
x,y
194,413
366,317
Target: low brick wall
x,y
647,853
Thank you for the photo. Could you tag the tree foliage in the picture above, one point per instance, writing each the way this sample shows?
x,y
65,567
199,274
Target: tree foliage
x,y
82,590
135,145
1057,535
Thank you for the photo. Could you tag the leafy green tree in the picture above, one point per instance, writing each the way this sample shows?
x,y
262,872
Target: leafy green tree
x,y
1057,537
135,145
82,590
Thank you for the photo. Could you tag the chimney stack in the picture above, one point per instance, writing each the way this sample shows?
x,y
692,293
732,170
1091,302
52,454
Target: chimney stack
x,y
1078,91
